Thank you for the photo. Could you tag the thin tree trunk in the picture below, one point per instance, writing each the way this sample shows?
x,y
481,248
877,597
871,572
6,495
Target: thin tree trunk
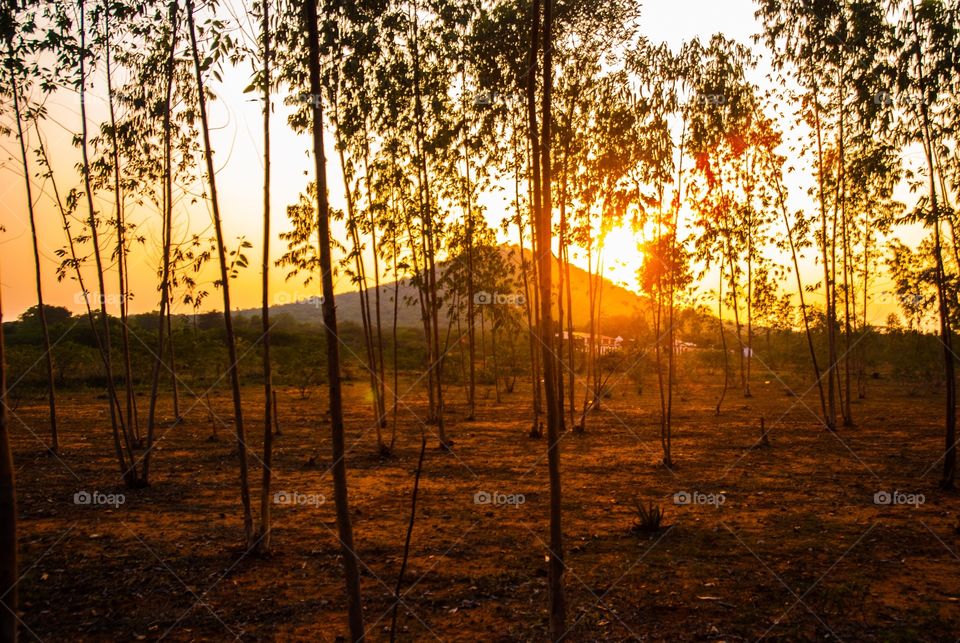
x,y
554,413
341,498
396,312
734,286
381,368
749,352
74,262
133,424
864,326
723,341
831,419
406,543
422,299
658,347
571,356
496,364
674,254
946,332
362,291
167,236
590,347
116,417
9,594
531,323
269,396
598,347
841,210
471,332
174,381
561,245
803,304
429,258
536,202
233,367
41,308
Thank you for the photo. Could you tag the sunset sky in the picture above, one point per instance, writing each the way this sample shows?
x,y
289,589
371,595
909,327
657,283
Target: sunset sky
x,y
237,140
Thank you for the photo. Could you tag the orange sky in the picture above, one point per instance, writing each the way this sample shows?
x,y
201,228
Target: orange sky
x,y
237,138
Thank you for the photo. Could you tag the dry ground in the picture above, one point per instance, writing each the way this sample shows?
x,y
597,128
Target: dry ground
x,y
797,551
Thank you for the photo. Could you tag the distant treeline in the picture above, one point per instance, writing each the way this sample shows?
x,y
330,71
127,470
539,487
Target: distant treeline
x,y
199,357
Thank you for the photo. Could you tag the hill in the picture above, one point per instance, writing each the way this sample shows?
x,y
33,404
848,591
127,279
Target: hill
x,y
618,305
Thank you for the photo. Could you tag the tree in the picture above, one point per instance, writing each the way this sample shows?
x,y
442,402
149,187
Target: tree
x,y
15,70
266,86
111,161
728,186
344,527
117,420
9,577
71,69
349,85
166,269
224,283
659,76
542,215
811,39
926,37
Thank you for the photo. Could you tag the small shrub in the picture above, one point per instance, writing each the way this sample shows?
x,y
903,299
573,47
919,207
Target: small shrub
x,y
649,519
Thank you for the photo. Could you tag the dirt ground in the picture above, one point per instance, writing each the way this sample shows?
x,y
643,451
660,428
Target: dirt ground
x,y
798,549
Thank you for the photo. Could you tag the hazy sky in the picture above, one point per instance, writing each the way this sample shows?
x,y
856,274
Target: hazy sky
x,y
238,144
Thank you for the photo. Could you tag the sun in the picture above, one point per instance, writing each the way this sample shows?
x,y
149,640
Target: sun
x,y
621,258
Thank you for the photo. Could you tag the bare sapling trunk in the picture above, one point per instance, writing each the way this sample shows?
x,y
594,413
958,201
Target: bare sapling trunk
x,y
946,331
554,412
804,314
828,284
406,544
379,367
471,314
723,342
75,263
269,395
41,309
133,424
395,251
591,343
172,352
341,498
9,603
531,322
571,380
233,367
749,348
562,242
429,242
128,474
362,290
597,364
165,270
840,212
